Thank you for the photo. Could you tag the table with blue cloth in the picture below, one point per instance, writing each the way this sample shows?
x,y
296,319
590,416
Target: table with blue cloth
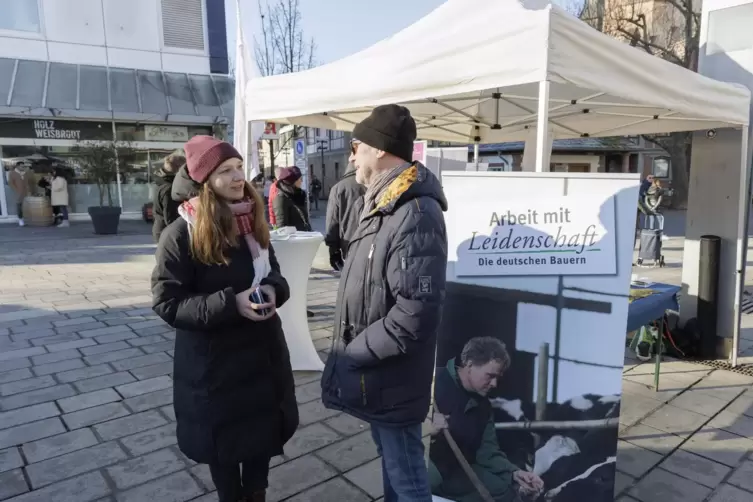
x,y
647,309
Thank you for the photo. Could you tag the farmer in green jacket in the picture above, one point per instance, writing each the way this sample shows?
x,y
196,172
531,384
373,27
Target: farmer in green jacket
x,y
463,408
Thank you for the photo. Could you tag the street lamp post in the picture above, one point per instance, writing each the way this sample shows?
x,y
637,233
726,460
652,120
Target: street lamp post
x,y
322,146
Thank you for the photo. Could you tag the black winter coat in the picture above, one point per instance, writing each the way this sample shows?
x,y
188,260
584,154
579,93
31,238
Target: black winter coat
x,y
343,212
234,394
290,207
164,208
389,302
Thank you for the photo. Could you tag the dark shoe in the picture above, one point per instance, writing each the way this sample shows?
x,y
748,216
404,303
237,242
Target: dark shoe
x,y
257,497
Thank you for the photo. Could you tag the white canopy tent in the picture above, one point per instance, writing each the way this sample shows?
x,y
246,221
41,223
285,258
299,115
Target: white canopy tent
x,y
490,71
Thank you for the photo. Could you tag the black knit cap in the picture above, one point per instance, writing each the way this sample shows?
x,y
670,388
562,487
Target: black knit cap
x,y
389,128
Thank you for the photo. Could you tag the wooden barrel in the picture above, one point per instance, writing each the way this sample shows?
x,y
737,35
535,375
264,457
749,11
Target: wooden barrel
x,y
38,211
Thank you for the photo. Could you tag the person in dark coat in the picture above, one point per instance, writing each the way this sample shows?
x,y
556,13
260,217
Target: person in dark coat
x,y
234,393
164,208
389,301
290,203
343,212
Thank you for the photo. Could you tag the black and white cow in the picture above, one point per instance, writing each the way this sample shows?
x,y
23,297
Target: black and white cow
x,y
575,464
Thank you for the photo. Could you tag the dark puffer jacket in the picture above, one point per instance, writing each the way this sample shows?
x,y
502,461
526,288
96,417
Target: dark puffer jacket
x,y
234,394
290,207
388,305
343,212
164,208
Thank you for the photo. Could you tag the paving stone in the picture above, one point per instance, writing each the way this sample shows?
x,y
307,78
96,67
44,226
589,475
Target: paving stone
x,y
677,421
147,324
308,439
90,416
149,401
20,434
51,340
54,357
634,460
652,439
144,386
728,493
735,423
157,330
109,357
129,425
12,483
75,463
115,337
699,469
10,459
368,478
347,425
107,347
660,485
146,340
334,489
314,411
73,322
84,488
80,327
146,372
169,412
36,397
153,439
27,385
350,453
145,468
26,415
14,364
158,347
83,373
101,382
742,477
296,476
15,375
75,344
91,333
88,400
7,344
308,392
29,333
142,360
176,487
15,354
48,369
54,446
202,473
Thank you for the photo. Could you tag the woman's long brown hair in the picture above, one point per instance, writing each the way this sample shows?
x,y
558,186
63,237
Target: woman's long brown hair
x,y
215,230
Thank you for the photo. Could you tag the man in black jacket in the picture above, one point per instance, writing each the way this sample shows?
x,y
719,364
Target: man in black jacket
x,y
343,212
164,208
389,302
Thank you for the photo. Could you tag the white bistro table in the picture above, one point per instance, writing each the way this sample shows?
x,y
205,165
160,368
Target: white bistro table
x,y
296,253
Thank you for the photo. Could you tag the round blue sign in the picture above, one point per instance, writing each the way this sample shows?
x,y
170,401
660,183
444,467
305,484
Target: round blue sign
x,y
299,147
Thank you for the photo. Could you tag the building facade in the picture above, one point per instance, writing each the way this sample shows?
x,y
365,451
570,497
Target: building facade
x,y
148,74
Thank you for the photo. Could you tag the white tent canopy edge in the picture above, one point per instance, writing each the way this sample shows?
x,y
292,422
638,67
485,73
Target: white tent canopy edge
x,y
467,77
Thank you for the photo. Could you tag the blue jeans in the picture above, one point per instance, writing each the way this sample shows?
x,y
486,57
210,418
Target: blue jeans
x,y
404,471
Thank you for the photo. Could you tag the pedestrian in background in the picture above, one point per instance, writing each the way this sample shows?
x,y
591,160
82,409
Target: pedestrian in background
x,y
21,181
271,199
164,208
316,190
59,197
343,212
389,301
290,203
234,394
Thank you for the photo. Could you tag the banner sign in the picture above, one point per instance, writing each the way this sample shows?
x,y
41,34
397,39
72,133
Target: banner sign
x,y
270,131
174,134
531,236
531,343
42,129
419,151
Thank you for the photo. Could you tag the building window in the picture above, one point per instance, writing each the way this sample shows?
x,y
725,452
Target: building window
x,y
729,29
183,24
20,15
660,168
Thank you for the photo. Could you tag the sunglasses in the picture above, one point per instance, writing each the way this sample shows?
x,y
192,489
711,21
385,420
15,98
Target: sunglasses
x,y
354,146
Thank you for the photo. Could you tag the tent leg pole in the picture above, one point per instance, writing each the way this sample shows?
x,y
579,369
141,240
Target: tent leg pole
x,y
542,126
746,191
475,155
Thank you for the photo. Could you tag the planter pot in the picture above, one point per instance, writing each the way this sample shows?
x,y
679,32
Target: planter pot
x,y
105,219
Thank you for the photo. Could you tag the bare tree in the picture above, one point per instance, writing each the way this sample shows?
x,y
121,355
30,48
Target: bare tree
x,y
283,46
668,29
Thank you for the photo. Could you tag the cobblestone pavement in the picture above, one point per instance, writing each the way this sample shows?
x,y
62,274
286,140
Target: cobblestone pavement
x,y
85,395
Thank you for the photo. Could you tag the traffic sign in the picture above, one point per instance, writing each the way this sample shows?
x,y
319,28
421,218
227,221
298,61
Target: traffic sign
x,y
300,148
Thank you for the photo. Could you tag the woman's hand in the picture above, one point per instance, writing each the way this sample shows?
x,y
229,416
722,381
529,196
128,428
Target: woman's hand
x,y
250,310
269,295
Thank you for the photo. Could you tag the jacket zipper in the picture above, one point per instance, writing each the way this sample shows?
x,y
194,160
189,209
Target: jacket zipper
x,y
363,388
367,283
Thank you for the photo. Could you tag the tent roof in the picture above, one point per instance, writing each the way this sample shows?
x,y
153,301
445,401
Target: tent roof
x,y
471,69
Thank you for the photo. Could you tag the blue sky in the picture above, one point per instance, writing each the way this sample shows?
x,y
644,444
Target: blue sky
x,y
339,27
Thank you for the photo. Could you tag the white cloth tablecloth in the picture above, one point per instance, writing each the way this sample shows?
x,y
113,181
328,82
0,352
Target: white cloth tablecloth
x,y
295,255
